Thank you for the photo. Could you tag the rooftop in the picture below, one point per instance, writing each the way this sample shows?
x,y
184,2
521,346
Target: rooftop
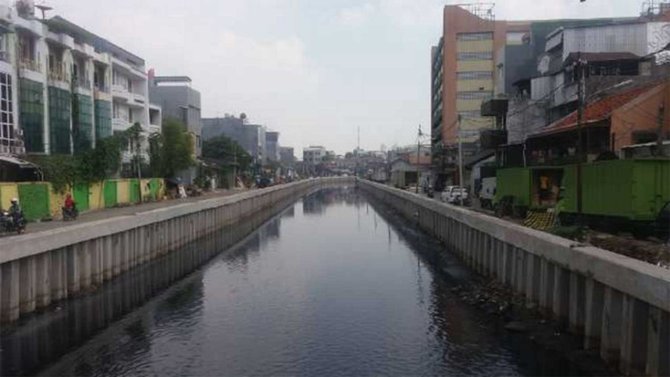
x,y
594,112
100,44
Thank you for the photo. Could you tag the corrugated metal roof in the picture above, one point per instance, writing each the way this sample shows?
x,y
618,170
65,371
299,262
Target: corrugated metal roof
x,y
594,112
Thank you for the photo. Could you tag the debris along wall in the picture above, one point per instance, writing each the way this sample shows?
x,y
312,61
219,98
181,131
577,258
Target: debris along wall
x,y
620,305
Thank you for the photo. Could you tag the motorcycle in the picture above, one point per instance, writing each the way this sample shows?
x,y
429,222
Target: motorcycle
x,y
70,213
12,223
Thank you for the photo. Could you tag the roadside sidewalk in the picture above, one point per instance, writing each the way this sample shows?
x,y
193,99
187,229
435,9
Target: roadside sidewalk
x,y
123,211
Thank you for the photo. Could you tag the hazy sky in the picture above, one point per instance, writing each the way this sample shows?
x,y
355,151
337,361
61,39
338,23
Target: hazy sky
x,y
313,70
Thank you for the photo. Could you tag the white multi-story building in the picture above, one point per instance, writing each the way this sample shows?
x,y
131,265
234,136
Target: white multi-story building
x,y
63,88
313,155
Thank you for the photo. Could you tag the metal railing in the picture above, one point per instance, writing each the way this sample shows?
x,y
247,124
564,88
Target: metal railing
x,y
30,64
57,75
83,83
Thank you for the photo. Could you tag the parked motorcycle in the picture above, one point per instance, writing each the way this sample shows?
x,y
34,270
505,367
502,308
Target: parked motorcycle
x,y
70,214
10,223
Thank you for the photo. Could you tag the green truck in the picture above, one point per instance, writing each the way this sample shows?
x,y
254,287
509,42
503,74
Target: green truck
x,y
615,193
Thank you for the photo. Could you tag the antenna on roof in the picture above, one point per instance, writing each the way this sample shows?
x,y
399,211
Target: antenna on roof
x,y
44,8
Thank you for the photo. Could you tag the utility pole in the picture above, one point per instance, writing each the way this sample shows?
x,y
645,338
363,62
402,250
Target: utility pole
x,y
580,119
234,165
659,131
418,151
358,150
460,160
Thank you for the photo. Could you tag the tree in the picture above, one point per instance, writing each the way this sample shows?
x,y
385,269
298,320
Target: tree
x,y
227,151
89,166
171,150
135,140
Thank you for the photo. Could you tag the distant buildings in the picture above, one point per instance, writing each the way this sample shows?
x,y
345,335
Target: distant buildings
x,y
63,88
179,101
508,90
272,146
251,137
45,65
313,155
286,156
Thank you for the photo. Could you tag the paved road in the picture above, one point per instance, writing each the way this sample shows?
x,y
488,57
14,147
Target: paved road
x,y
122,211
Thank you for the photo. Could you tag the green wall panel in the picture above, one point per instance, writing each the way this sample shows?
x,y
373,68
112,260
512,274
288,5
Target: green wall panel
x,y
34,200
134,188
109,193
81,194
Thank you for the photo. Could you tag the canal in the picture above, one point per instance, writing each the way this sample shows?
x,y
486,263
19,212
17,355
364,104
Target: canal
x,y
330,285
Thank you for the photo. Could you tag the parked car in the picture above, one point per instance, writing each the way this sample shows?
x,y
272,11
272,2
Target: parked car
x,y
455,195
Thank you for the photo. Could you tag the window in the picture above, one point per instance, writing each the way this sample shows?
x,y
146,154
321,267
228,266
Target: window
x,y
6,113
475,36
475,75
474,95
31,101
83,132
59,120
485,55
103,119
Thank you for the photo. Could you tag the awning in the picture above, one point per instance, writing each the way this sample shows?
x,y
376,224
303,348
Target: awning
x,y
482,155
22,164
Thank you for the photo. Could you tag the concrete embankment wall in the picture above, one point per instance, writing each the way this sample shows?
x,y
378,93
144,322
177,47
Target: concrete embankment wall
x,y
39,269
620,305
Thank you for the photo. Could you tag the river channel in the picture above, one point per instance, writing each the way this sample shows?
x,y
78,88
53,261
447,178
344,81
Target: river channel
x,y
331,285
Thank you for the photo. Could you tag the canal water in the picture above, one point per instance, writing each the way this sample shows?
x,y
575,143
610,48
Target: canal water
x,y
332,285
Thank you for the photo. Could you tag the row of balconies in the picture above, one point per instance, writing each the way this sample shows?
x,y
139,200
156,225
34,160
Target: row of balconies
x,y
132,98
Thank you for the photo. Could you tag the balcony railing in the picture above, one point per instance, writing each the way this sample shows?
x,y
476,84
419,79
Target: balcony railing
x,y
4,56
30,64
119,88
57,75
120,123
101,88
83,83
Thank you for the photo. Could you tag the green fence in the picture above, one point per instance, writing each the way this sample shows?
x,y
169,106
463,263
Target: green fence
x,y
109,194
34,199
134,187
80,194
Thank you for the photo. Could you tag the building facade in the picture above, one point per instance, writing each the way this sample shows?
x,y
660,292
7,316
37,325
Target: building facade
x,y
462,65
272,147
180,101
313,155
251,137
63,87
286,156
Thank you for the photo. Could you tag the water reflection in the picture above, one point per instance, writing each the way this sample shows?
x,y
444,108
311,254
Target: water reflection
x,y
38,340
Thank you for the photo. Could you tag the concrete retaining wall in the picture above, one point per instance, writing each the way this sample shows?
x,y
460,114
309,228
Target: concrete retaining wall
x,y
620,305
39,269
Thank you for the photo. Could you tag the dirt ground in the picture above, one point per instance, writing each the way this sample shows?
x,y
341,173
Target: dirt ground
x,y
650,251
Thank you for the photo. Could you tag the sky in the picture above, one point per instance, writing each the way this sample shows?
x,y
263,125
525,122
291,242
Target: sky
x,y
314,70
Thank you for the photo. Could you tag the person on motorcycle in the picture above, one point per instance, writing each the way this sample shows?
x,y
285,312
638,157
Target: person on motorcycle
x,y
15,208
15,211
69,202
69,207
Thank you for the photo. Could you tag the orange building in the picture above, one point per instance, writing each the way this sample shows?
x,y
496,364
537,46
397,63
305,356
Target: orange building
x,y
463,66
631,116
